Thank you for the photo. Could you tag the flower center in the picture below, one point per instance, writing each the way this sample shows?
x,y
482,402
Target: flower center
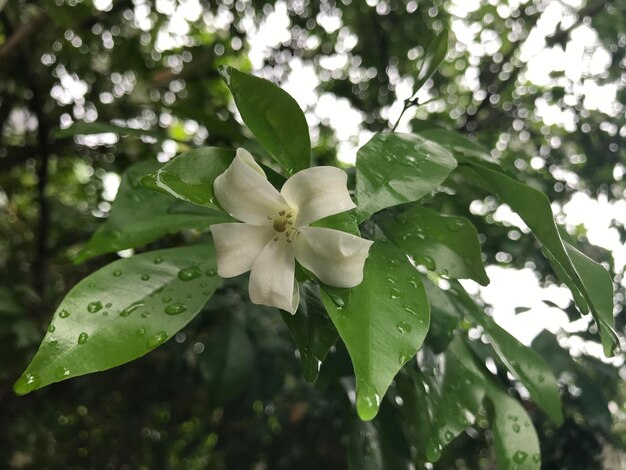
x,y
283,223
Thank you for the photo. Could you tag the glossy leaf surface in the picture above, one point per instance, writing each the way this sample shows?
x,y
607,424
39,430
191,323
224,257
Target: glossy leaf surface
x,y
524,363
274,118
140,215
383,324
445,244
122,312
396,168
515,439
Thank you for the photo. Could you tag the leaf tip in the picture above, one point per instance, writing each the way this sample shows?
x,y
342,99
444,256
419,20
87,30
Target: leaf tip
x,y
367,403
26,383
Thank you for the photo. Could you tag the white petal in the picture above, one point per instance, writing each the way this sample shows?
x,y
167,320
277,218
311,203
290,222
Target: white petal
x,y
238,245
317,193
336,258
272,276
244,192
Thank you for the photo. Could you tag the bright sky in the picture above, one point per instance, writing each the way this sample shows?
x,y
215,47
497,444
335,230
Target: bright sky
x,y
509,288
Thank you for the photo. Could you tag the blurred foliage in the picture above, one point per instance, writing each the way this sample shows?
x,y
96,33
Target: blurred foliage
x,y
72,70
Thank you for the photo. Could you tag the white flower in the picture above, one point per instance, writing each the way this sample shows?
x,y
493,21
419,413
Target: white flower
x,y
275,231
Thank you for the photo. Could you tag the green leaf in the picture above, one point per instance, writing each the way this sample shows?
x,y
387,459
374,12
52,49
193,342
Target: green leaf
x,y
589,282
458,144
311,330
442,399
396,168
591,400
445,244
190,175
515,439
99,127
524,363
445,317
435,55
383,324
122,312
274,118
599,292
227,363
140,216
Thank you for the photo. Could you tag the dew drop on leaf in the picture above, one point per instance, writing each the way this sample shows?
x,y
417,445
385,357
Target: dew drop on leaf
x,y
427,262
519,456
448,435
61,372
51,328
131,308
145,277
82,338
454,225
403,327
536,458
367,402
64,314
433,451
117,272
157,339
166,299
140,331
94,307
211,272
175,309
516,427
190,273
405,356
158,260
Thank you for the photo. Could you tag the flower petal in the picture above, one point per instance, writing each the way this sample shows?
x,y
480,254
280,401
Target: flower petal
x,y
238,245
272,277
317,193
244,192
336,258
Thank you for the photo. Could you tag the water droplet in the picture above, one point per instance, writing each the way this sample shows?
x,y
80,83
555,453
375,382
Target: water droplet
x,y
82,338
91,284
61,372
408,309
414,283
433,451
455,225
190,273
140,331
26,384
117,272
367,402
516,427
405,356
175,309
94,307
64,314
519,457
131,308
145,314
53,342
51,328
403,327
158,260
391,279
157,339
388,158
395,293
536,458
108,305
145,277
166,299
427,262
448,435
211,272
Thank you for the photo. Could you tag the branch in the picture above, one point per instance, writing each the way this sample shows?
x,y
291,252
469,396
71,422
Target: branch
x,y
21,34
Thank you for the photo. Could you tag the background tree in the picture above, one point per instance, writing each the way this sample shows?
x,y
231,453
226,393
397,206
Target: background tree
x,y
89,88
